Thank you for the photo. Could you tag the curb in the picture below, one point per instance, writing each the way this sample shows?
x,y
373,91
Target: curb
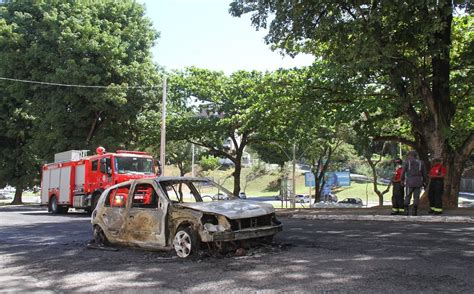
x,y
386,218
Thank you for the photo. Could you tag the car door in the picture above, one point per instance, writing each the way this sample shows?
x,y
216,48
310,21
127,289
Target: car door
x,y
146,217
114,209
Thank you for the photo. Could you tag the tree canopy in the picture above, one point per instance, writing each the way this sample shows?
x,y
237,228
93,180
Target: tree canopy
x,y
102,44
406,62
221,113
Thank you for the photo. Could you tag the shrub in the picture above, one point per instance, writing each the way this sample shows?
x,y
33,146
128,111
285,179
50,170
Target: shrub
x,y
209,162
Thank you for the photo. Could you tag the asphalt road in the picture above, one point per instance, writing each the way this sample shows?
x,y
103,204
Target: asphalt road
x,y
41,252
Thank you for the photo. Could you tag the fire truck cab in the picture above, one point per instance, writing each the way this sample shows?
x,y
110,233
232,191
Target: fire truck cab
x,y
76,180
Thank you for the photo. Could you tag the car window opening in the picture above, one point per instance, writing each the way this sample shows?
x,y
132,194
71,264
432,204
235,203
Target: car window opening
x,y
194,191
145,196
117,197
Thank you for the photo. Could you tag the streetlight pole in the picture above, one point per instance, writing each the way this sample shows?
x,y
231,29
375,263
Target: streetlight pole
x,y
192,160
163,128
293,205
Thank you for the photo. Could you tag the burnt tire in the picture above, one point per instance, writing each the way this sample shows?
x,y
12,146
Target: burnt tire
x,y
99,236
267,240
185,242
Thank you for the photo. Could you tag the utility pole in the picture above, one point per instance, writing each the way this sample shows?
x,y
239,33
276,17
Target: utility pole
x,y
192,160
163,129
293,204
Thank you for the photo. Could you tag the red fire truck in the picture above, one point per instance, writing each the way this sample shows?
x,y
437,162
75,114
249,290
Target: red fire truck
x,y
77,180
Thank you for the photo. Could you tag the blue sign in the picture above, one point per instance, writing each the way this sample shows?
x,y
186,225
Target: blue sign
x,y
309,180
331,179
343,179
326,190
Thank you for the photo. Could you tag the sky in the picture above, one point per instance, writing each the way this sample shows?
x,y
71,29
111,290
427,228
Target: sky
x,y
202,33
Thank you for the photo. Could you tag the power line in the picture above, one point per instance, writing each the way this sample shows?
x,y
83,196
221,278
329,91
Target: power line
x,y
75,85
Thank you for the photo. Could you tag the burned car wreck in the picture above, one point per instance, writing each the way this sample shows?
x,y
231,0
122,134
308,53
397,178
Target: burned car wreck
x,y
178,213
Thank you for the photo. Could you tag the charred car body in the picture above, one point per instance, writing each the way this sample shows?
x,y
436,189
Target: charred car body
x,y
169,212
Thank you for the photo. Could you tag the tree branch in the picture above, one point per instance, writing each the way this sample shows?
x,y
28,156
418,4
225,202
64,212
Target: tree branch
x,y
214,150
234,140
396,139
467,146
332,91
94,127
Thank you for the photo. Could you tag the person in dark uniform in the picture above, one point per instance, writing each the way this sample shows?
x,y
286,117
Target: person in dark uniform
x,y
414,177
436,188
398,193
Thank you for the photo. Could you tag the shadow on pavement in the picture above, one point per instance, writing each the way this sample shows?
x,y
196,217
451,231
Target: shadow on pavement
x,y
320,256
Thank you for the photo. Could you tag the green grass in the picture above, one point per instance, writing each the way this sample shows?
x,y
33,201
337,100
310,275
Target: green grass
x,y
362,191
259,187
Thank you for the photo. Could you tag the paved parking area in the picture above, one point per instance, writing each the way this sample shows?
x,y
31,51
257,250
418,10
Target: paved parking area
x,y
42,252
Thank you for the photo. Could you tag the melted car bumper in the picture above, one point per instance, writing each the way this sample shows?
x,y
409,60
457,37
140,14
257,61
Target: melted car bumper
x,y
243,234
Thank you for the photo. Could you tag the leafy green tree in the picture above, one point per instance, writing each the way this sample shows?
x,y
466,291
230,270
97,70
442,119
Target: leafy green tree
x,y
95,43
272,153
410,60
323,144
209,162
257,171
180,154
373,154
19,167
224,117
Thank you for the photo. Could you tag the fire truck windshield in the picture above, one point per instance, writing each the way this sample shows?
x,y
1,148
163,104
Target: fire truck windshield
x,y
134,165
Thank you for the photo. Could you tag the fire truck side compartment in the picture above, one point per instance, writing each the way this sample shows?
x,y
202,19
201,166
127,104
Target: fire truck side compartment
x,y
45,182
54,180
64,189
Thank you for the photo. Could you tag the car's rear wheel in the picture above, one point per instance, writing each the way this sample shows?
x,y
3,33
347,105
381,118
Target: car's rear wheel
x,y
99,236
185,242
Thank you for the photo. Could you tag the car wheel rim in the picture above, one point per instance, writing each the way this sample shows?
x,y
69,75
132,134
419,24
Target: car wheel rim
x,y
182,244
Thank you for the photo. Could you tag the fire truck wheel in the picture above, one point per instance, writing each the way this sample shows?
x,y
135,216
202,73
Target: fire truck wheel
x,y
99,236
55,208
53,205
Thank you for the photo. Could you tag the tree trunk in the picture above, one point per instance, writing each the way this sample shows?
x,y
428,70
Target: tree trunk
x,y
452,181
94,127
236,174
181,169
373,167
18,193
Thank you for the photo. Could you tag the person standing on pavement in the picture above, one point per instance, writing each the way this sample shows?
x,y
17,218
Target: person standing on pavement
x,y
397,192
436,187
414,177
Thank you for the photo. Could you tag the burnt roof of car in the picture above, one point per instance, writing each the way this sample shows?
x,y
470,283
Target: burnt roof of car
x,y
195,179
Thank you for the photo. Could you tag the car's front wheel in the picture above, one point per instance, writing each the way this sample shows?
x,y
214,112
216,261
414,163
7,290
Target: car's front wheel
x,y
185,242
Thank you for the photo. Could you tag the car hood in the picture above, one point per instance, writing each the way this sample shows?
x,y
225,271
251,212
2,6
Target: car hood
x,y
233,209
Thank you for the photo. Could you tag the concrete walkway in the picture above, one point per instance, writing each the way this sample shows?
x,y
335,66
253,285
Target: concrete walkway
x,y
456,215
